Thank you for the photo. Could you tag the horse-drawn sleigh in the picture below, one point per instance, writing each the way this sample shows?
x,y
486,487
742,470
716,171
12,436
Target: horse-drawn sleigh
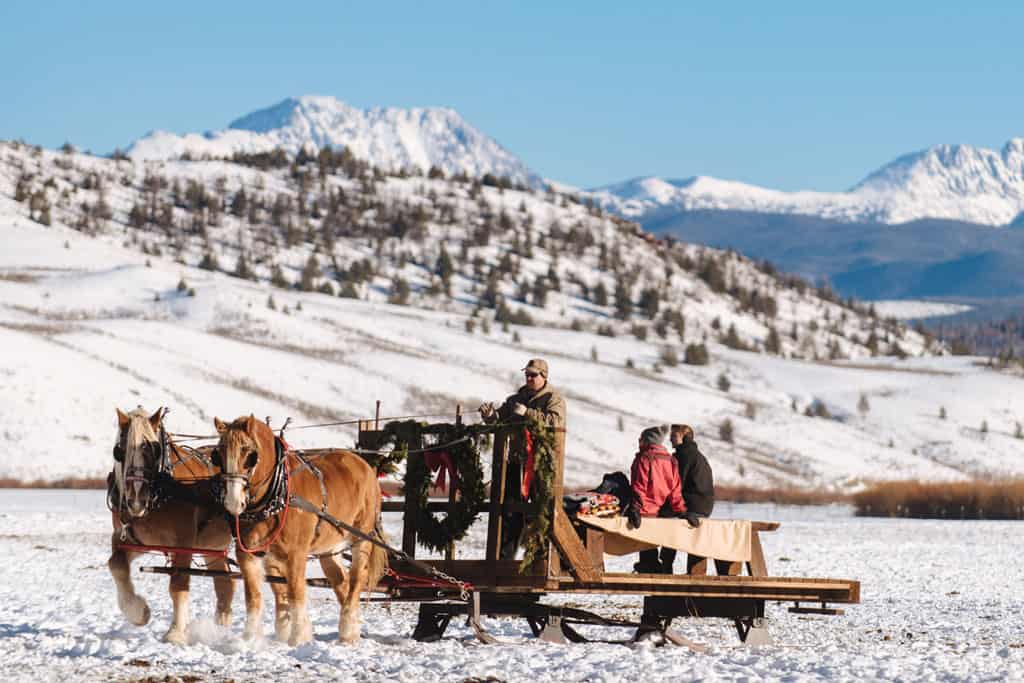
x,y
285,506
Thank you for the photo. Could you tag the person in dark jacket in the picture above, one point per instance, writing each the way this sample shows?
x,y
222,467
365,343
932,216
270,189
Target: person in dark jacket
x,y
697,481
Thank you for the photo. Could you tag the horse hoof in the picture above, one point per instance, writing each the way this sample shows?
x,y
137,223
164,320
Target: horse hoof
x,y
349,636
300,638
176,637
136,611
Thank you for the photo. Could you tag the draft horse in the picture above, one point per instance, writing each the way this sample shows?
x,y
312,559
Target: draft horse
x,y
160,495
261,480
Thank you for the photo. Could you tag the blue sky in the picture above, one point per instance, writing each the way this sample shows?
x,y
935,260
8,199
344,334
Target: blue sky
x,y
791,95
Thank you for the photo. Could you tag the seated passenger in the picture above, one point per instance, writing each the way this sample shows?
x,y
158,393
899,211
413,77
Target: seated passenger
x,y
697,481
655,484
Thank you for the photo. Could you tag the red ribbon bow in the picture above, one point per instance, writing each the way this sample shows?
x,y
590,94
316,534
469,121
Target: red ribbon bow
x,y
528,467
440,462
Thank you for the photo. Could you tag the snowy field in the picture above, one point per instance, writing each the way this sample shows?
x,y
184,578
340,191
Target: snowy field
x,y
86,326
941,602
909,310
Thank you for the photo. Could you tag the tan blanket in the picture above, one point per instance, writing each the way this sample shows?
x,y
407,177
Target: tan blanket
x,y
722,539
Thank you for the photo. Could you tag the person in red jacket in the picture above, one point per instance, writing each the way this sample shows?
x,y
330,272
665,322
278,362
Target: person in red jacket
x,y
656,489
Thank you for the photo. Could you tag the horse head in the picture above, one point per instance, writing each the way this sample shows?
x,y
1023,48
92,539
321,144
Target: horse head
x,y
246,459
139,459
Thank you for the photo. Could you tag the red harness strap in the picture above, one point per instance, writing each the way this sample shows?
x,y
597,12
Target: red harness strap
x,y
171,550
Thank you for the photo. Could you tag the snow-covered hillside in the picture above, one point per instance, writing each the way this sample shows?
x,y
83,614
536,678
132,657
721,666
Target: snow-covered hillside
x,y
956,182
390,138
86,326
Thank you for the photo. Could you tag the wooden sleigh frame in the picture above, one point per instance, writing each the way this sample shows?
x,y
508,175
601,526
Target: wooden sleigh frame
x,y
574,564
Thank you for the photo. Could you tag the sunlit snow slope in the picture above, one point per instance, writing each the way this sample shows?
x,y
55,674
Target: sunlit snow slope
x,y
86,326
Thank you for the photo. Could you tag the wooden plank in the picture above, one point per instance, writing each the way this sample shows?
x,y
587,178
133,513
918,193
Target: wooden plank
x,y
756,566
410,516
594,542
572,549
499,470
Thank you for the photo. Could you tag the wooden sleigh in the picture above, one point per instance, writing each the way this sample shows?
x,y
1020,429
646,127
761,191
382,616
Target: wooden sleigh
x,y
574,565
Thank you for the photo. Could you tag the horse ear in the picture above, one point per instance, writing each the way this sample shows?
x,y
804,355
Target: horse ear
x,y
122,419
154,419
221,427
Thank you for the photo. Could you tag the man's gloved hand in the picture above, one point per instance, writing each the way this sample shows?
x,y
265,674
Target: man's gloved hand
x,y
691,518
633,517
519,409
487,410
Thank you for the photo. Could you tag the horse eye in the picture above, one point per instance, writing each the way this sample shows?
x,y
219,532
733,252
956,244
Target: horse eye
x,y
251,461
118,454
215,458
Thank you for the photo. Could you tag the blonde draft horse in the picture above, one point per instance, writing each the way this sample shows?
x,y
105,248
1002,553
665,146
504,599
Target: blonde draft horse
x,y
144,514
247,457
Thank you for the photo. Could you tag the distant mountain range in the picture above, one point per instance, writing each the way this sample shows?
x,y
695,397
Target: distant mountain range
x,y
951,182
389,138
942,222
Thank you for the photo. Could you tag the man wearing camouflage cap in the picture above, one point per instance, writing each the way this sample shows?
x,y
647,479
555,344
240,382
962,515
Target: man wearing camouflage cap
x,y
538,400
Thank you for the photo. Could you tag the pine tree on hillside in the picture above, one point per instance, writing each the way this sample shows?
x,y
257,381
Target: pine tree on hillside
x,y
209,261
649,302
600,294
862,405
399,291
623,301
242,268
277,277
773,344
310,272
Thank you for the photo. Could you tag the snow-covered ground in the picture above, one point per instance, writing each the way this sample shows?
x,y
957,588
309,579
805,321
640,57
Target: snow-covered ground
x,y
86,326
940,602
909,310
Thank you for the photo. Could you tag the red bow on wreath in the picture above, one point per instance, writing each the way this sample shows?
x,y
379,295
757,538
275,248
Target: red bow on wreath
x,y
528,467
440,462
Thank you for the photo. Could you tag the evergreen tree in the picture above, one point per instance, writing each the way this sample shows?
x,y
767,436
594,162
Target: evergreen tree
x,y
277,277
623,301
862,405
600,294
310,273
773,344
399,291
242,268
209,261
540,292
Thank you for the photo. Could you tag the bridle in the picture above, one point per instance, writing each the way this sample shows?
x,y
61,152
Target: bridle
x,y
152,476
273,501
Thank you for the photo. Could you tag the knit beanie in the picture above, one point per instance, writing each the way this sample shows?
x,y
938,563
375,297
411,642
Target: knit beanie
x,y
655,435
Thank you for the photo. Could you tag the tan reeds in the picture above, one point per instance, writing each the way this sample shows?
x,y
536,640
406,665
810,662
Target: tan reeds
x,y
943,500
65,483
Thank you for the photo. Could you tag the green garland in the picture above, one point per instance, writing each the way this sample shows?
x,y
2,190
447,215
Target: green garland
x,y
537,532
433,532
437,533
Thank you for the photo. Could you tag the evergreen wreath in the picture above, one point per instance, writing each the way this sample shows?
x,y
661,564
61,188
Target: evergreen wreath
x,y
536,534
460,444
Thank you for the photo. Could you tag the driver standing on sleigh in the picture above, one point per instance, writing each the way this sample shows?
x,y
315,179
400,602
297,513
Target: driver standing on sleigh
x,y
538,400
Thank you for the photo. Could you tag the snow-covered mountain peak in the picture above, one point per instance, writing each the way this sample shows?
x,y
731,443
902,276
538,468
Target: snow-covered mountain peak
x,y
387,137
957,182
